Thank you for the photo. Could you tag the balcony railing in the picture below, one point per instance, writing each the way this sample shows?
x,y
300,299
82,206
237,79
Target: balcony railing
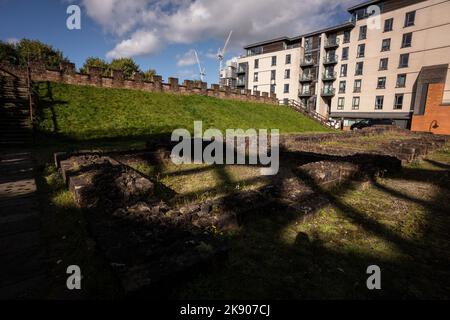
x,y
241,70
331,43
331,59
307,62
306,93
306,77
329,76
240,83
328,92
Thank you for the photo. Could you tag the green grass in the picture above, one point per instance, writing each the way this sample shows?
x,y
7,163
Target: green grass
x,y
86,113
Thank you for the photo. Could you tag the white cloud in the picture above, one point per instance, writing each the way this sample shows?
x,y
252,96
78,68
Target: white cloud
x,y
187,59
189,21
140,43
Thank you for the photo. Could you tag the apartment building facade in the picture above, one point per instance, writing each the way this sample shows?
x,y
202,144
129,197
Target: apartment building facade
x,y
271,66
369,67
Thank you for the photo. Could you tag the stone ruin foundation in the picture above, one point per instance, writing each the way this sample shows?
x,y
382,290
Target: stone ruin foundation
x,y
150,243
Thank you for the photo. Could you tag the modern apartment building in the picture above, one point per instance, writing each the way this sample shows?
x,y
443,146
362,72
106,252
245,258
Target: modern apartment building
x,y
374,66
228,75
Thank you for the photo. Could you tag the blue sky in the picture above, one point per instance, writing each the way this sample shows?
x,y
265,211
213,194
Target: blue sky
x,y
161,34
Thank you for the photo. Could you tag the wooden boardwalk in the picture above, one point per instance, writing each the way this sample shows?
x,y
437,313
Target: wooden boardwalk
x,y
22,269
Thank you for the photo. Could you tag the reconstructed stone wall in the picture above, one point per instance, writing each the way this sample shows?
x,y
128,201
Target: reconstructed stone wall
x,y
67,74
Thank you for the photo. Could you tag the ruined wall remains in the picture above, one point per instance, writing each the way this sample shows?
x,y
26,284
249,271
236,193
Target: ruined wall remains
x,y
95,77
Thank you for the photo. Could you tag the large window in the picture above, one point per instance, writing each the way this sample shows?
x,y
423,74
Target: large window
x,y
410,18
355,104
286,88
379,102
341,102
346,36
288,59
357,86
343,70
274,61
384,64
407,40
404,60
386,45
359,68
362,32
287,74
388,24
361,51
398,101
342,85
381,83
401,80
345,53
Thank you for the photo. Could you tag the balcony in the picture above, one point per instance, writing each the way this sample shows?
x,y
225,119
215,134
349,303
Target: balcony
x,y
328,92
240,83
332,43
241,70
307,62
306,93
331,59
329,76
306,78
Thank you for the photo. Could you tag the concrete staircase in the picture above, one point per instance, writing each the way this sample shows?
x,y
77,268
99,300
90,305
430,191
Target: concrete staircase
x,y
15,123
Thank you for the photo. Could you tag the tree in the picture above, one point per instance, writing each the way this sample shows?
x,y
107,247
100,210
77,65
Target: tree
x,y
148,75
95,62
34,50
127,65
8,53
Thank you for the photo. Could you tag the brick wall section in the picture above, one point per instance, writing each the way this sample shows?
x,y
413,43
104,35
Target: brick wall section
x,y
436,118
94,77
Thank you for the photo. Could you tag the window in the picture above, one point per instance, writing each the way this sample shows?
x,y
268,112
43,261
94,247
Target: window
x,y
256,63
388,23
384,64
407,40
381,83
286,88
272,88
343,70
359,68
362,32
273,74
401,80
398,101
346,36
342,85
274,61
287,74
341,102
404,60
255,88
255,77
355,104
379,102
386,45
361,51
345,53
288,59
357,85
409,18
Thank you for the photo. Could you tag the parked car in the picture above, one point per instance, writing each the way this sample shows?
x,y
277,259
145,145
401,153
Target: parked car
x,y
372,122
